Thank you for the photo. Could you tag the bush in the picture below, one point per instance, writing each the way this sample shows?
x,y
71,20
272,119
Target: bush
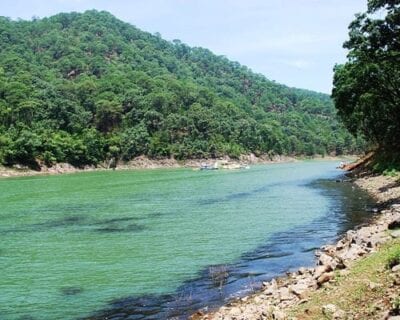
x,y
393,258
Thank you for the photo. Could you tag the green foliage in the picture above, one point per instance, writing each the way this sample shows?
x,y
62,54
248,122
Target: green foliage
x,y
395,302
393,258
386,162
86,88
367,88
135,141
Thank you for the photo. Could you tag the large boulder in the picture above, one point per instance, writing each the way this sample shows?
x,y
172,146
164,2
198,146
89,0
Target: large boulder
x,y
328,276
395,233
328,261
320,270
352,253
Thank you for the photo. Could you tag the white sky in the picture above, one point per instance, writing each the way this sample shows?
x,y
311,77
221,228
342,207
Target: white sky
x,y
295,42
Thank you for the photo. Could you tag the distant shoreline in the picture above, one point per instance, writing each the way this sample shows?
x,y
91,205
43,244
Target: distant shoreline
x,y
143,162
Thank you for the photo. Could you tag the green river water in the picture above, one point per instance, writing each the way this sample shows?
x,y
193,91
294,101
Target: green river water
x,y
71,244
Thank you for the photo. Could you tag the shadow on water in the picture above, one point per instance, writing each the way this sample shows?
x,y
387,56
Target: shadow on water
x,y
238,195
282,252
71,291
77,223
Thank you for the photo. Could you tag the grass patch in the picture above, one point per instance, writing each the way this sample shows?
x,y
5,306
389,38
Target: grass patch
x,y
365,293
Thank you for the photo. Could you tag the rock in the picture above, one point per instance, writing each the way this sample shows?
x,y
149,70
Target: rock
x,y
302,271
395,207
271,288
279,315
257,300
394,224
395,278
339,315
267,312
373,285
284,294
341,244
329,309
394,318
396,268
198,315
325,278
329,249
328,261
235,311
362,235
376,239
395,233
320,270
350,235
354,252
269,291
340,263
300,290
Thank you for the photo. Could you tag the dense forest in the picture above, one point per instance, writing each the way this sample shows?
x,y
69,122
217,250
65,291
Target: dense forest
x,y
367,88
86,87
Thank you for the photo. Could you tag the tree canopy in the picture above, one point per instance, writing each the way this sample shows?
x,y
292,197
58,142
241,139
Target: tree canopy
x,y
367,88
85,87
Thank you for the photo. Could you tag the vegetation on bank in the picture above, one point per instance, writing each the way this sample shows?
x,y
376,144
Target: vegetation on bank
x,y
367,88
84,88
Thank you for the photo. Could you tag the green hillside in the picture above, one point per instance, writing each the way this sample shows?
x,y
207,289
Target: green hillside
x,y
84,88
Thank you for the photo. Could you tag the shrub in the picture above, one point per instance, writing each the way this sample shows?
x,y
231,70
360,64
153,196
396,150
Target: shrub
x,y
393,258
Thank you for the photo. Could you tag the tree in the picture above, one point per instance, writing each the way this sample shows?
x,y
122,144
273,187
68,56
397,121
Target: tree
x,y
367,88
108,114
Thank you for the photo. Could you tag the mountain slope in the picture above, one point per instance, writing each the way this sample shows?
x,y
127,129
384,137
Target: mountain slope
x,y
82,88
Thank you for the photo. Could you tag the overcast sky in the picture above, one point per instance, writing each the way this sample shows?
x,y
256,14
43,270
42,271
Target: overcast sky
x,y
295,42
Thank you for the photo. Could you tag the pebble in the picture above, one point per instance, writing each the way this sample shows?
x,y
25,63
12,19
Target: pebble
x,y
339,315
373,285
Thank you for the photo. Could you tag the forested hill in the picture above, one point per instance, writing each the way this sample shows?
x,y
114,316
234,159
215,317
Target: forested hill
x,y
83,88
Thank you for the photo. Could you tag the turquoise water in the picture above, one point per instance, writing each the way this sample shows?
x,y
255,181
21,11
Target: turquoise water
x,y
71,244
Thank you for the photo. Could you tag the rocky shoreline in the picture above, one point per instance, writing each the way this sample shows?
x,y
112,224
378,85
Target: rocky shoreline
x,y
279,295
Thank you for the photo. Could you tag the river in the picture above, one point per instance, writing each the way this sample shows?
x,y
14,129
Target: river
x,y
153,244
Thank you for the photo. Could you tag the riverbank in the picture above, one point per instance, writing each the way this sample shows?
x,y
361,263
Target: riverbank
x,y
143,162
345,272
